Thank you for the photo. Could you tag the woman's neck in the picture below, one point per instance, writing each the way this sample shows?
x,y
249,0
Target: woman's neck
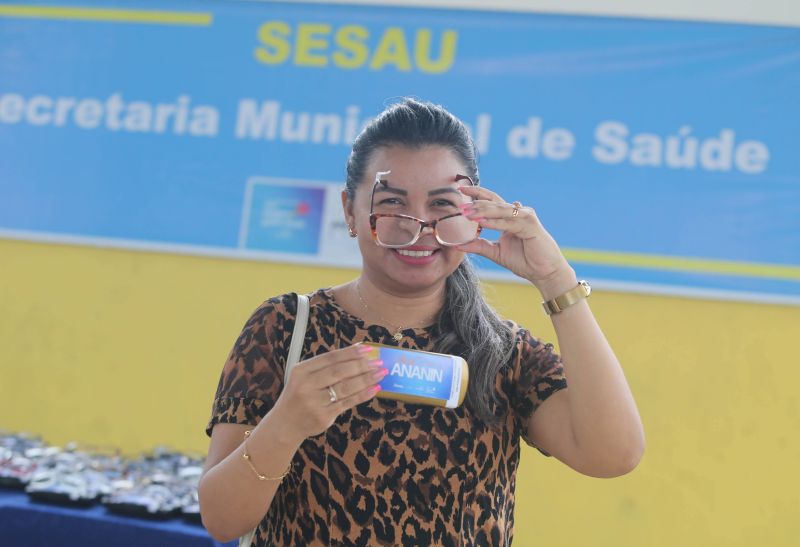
x,y
377,305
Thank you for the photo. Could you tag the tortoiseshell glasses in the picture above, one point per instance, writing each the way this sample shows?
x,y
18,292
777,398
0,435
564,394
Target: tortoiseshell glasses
x,y
396,230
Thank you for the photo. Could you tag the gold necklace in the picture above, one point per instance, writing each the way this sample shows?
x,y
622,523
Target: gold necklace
x,y
398,334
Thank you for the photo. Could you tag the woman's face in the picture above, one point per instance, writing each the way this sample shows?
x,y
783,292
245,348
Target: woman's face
x,y
421,184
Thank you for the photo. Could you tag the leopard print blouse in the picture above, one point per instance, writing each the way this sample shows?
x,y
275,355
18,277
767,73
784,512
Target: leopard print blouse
x,y
386,472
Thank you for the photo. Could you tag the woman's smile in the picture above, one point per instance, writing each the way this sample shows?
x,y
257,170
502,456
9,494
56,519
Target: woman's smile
x,y
416,255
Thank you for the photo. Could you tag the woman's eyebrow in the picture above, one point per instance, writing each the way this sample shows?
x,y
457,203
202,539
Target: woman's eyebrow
x,y
400,191
445,190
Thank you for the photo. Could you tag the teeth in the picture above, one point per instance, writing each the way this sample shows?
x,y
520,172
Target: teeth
x,y
414,253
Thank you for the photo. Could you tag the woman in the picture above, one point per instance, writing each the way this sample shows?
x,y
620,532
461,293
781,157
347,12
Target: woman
x,y
340,466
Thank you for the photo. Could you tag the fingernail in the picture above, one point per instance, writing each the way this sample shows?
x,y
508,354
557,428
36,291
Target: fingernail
x,y
478,219
465,205
375,389
364,349
376,362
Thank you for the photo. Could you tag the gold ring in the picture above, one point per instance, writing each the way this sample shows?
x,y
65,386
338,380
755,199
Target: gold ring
x,y
515,210
332,393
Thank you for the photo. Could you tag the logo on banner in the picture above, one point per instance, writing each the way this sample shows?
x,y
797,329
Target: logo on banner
x,y
281,218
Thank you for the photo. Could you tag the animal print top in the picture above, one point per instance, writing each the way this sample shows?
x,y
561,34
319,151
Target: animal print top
x,y
386,472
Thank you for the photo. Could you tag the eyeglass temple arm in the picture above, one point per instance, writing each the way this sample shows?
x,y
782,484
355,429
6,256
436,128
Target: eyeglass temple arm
x,y
467,177
378,179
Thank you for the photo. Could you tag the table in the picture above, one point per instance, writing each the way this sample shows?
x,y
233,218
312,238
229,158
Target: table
x,y
27,523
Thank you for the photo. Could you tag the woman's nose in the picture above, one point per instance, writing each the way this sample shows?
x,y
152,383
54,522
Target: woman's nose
x,y
426,231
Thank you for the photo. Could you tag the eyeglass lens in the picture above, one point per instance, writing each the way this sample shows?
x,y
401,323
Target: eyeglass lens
x,y
399,231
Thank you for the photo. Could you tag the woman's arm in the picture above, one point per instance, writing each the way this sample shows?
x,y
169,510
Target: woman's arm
x,y
233,500
593,425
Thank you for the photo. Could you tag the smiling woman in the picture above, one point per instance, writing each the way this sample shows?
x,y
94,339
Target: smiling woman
x,y
332,463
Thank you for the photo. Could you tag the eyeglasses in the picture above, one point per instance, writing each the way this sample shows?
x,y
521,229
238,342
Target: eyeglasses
x,y
396,230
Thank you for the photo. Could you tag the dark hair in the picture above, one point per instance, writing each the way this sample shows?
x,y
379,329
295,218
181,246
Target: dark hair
x,y
467,325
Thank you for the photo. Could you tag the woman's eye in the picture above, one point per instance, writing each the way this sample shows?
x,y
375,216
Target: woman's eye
x,y
389,201
443,203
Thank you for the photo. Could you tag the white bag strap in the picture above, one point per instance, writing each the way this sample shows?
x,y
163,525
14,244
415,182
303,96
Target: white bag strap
x,y
298,335
296,346
247,539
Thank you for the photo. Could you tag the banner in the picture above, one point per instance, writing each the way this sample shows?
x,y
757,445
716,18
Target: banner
x,y
661,155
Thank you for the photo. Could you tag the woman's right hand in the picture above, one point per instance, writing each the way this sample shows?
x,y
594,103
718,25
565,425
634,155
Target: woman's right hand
x,y
305,403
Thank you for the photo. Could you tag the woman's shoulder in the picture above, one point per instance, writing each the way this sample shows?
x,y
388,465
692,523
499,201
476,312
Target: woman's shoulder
x,y
523,339
517,331
283,307
274,308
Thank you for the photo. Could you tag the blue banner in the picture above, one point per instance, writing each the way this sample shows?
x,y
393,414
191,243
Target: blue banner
x,y
661,155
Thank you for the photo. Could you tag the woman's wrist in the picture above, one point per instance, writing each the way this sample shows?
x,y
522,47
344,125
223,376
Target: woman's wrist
x,y
283,432
557,284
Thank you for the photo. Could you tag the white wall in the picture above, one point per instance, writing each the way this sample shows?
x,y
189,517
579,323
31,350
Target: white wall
x,y
768,12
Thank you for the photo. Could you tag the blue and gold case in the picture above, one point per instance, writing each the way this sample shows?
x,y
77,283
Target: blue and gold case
x,y
421,377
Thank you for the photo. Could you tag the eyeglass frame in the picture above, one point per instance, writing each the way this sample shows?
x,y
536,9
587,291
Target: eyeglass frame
x,y
373,217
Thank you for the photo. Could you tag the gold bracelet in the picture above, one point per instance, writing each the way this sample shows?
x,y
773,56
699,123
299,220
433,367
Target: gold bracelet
x,y
261,477
567,299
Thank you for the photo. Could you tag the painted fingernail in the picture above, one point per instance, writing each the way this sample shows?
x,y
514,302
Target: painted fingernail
x,y
381,373
478,219
376,362
465,205
374,389
364,349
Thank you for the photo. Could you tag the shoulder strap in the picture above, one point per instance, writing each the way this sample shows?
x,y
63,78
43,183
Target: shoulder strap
x,y
298,335
296,346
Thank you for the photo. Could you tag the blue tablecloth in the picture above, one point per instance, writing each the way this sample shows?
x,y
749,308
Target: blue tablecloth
x,y
26,523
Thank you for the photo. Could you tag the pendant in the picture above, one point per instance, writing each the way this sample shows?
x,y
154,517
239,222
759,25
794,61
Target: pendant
x,y
398,335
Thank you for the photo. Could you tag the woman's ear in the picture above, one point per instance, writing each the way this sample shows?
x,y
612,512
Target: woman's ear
x,y
347,207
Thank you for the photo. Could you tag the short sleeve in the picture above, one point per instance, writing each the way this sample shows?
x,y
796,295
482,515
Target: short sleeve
x,y
540,374
252,377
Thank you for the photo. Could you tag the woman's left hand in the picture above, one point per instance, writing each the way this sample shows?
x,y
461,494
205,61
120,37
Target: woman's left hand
x,y
524,247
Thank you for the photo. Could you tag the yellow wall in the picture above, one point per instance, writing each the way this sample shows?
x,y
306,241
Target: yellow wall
x,y
125,348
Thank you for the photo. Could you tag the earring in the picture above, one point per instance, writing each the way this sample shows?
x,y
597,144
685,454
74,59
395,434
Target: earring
x,y
352,232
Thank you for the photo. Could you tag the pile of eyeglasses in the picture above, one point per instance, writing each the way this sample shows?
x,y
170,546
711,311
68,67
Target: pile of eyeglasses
x,y
161,484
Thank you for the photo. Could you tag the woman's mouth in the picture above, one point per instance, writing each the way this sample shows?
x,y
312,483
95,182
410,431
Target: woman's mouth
x,y
416,257
406,252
